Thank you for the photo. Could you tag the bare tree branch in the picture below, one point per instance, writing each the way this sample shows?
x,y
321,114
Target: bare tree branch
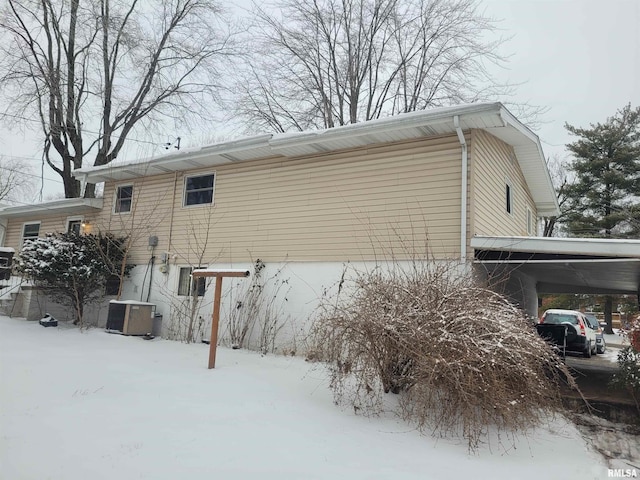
x,y
323,63
15,180
108,66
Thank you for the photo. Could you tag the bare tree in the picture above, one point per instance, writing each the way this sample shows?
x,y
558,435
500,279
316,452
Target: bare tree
x,y
323,63
558,171
92,71
15,180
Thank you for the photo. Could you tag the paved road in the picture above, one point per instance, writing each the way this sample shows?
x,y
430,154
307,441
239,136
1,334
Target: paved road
x,y
596,363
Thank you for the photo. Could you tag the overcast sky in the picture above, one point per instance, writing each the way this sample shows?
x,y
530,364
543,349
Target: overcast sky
x,y
579,58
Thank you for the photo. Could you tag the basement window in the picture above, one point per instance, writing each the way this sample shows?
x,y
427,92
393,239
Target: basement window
x,y
185,283
112,286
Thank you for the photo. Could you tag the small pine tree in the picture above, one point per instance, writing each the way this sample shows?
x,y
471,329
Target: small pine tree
x,y
71,268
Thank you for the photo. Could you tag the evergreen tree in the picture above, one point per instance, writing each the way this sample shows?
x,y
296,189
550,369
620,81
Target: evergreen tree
x,y
73,269
604,199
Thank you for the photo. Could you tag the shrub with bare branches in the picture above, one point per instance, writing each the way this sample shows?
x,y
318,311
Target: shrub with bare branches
x,y
462,357
257,304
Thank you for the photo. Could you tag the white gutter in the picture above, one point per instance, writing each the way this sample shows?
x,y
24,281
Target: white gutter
x,y
463,199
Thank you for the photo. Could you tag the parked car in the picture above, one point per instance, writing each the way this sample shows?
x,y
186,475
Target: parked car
x,y
601,344
580,336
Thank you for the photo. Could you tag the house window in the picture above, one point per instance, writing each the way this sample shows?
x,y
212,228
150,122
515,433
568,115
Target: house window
x,y
112,285
124,194
185,283
508,197
198,190
74,225
530,223
30,231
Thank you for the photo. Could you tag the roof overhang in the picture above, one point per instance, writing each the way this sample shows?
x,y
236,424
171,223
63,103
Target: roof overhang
x,y
492,117
566,265
68,206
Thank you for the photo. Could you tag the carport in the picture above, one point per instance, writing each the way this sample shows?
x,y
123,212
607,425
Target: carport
x,y
524,267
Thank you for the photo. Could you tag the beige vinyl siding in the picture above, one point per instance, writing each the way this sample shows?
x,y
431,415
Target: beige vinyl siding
x,y
149,216
348,206
493,164
48,224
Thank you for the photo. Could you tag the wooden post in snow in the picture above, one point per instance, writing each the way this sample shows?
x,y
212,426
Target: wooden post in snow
x,y
219,274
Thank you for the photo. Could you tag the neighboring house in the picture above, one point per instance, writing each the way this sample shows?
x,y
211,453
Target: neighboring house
x,y
414,186
20,223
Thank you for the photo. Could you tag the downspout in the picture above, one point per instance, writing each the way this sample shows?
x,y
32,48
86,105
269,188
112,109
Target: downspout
x,y
173,202
463,199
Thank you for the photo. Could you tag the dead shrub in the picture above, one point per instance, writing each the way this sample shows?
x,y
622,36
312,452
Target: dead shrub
x,y
461,356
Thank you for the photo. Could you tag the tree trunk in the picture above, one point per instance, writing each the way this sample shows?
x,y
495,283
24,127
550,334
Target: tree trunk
x,y
608,309
549,226
89,191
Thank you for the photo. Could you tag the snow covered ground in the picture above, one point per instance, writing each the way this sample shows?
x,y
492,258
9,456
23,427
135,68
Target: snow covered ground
x,y
93,405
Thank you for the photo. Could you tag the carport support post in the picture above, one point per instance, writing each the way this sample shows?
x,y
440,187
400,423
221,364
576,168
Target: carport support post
x,y
215,317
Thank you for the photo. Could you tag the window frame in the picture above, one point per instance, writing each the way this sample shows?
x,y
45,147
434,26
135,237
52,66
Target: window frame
x,y
23,238
185,191
112,285
508,196
530,223
201,284
116,199
73,220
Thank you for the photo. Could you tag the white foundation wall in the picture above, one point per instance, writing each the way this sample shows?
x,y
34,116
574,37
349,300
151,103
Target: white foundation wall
x,y
292,291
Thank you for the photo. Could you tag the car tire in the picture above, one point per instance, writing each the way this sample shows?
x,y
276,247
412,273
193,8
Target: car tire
x,y
602,349
587,351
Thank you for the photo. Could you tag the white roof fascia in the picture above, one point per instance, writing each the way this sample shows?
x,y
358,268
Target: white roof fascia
x,y
492,117
548,210
273,142
563,246
58,206
141,167
414,119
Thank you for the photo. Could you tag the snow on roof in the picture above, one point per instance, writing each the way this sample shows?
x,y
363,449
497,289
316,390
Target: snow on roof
x,y
130,302
65,205
7,250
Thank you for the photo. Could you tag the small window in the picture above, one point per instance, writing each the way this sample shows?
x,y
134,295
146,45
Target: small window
x,y
198,190
74,225
30,231
530,222
112,285
185,284
508,198
124,195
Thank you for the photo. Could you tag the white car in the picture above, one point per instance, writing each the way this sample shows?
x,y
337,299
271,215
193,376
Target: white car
x,y
580,336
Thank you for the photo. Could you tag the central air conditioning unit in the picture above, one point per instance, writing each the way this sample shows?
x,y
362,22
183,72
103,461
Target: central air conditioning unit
x,y
129,317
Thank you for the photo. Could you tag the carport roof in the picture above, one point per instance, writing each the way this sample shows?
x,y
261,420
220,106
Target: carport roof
x,y
566,265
